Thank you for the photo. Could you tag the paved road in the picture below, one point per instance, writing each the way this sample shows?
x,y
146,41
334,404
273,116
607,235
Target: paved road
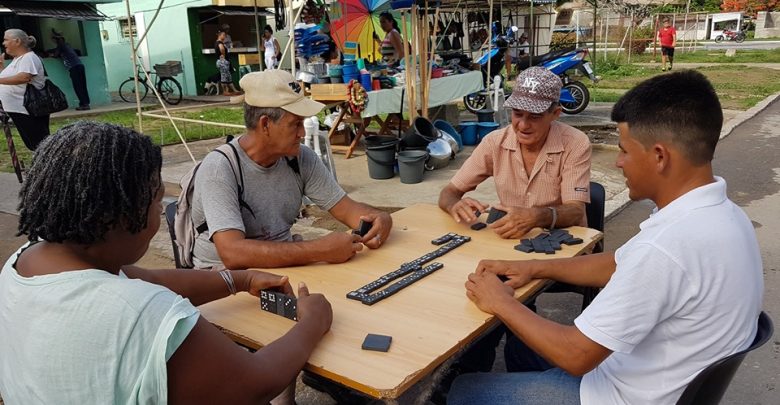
x,y
749,160
744,45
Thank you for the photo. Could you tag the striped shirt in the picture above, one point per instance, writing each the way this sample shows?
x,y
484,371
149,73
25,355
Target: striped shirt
x,y
387,50
560,174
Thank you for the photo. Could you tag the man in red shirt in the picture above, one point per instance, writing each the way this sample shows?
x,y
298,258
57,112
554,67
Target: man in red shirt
x,y
667,36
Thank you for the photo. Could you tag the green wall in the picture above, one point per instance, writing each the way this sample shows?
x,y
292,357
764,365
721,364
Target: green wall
x,y
99,91
168,39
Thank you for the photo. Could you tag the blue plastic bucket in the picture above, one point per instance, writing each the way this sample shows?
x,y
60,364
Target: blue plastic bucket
x,y
446,127
347,78
350,70
468,132
365,80
484,128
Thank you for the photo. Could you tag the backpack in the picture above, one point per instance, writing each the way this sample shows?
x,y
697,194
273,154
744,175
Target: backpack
x,y
184,228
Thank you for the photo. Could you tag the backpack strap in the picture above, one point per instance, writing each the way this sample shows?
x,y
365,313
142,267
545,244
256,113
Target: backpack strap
x,y
235,163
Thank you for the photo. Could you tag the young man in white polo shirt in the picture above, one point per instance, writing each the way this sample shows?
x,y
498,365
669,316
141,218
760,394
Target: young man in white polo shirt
x,y
683,293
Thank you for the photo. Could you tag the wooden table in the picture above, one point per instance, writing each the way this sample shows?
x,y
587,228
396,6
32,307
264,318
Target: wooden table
x,y
429,320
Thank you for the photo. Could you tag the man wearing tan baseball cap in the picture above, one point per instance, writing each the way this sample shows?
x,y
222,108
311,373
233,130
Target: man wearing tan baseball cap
x,y
541,169
249,210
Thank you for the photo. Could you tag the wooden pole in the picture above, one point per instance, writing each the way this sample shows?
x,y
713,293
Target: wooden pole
x,y
407,59
257,35
430,63
135,67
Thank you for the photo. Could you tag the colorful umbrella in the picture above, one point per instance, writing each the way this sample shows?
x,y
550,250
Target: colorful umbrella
x,y
358,22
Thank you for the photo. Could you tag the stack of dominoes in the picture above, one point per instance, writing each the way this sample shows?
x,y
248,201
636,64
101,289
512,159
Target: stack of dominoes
x,y
279,303
548,242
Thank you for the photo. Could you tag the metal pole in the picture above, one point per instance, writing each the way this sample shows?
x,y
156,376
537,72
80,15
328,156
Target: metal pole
x,y
606,35
490,42
135,68
595,12
532,50
631,36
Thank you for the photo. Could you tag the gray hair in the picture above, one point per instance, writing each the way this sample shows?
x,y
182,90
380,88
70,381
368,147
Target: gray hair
x,y
27,41
253,114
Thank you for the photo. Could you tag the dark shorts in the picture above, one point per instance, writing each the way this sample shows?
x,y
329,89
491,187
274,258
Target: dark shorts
x,y
667,50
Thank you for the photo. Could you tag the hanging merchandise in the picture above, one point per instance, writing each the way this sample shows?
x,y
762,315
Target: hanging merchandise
x,y
313,12
280,15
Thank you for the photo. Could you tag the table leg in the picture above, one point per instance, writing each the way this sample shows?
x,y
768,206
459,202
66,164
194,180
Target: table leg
x,y
336,124
361,130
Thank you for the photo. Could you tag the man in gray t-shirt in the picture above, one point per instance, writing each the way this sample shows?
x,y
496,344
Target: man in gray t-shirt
x,y
258,234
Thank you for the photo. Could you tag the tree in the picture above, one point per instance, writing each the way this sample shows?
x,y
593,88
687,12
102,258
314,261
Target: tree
x,y
750,7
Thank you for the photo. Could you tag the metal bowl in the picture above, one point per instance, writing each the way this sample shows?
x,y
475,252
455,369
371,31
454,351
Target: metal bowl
x,y
306,77
439,154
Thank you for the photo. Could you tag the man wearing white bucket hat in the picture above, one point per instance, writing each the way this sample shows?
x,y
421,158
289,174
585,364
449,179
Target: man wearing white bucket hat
x,y
251,227
541,167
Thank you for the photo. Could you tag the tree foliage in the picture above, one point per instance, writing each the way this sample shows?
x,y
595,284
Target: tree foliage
x,y
750,7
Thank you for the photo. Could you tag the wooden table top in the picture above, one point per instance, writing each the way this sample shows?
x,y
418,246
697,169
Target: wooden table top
x,y
429,320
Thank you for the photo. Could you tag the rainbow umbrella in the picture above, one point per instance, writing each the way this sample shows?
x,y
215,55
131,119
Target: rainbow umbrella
x,y
358,22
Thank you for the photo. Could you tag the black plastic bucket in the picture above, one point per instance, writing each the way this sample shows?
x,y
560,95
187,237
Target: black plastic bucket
x,y
485,115
420,134
380,153
411,165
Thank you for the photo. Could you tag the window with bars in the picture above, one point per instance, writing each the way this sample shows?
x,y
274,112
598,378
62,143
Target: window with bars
x,y
127,27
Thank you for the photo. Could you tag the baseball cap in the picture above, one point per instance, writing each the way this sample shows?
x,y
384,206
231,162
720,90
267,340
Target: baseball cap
x,y
536,88
277,88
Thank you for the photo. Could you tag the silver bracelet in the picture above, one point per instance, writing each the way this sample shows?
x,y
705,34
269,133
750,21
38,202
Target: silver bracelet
x,y
228,277
554,217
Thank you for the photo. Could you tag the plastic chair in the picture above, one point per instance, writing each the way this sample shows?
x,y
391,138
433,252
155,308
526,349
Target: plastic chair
x,y
711,383
170,218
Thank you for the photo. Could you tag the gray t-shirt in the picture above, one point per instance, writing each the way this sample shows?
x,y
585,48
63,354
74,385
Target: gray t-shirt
x,y
274,194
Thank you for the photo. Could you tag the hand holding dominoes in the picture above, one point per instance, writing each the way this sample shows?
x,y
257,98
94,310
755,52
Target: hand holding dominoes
x,y
467,210
307,307
260,280
513,223
374,229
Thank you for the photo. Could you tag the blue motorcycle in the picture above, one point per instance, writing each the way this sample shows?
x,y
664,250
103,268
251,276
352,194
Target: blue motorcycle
x,y
574,94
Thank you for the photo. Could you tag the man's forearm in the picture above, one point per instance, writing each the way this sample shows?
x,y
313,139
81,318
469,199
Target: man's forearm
x,y
564,346
449,197
568,214
198,286
587,270
248,253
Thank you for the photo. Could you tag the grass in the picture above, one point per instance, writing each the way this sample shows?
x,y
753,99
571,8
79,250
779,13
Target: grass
x,y
738,87
703,56
160,130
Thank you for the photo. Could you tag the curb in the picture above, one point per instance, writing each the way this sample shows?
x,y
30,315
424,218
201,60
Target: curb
x,y
733,123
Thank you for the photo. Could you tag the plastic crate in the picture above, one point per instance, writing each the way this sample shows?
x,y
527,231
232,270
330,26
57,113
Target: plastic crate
x,y
170,68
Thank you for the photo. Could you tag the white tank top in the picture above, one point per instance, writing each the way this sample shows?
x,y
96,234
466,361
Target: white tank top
x,y
269,47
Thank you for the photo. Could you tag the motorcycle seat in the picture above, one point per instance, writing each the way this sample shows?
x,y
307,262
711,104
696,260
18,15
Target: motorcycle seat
x,y
524,62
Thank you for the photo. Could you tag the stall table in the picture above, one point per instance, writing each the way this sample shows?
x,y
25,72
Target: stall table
x,y
429,321
388,101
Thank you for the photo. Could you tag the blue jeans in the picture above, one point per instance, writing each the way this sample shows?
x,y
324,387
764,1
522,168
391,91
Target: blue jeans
x,y
531,380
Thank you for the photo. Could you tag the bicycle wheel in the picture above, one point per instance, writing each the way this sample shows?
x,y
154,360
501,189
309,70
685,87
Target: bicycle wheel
x,y
170,90
127,90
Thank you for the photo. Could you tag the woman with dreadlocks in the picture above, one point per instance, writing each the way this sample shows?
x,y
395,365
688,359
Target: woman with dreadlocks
x,y
80,324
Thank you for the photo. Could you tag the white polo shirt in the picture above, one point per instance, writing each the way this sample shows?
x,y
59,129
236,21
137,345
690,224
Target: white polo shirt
x,y
687,291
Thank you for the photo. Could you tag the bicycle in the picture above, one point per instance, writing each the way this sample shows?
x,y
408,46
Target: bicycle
x,y
5,122
168,87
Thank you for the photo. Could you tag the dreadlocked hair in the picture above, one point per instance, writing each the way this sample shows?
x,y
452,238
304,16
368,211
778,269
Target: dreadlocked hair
x,y
87,179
